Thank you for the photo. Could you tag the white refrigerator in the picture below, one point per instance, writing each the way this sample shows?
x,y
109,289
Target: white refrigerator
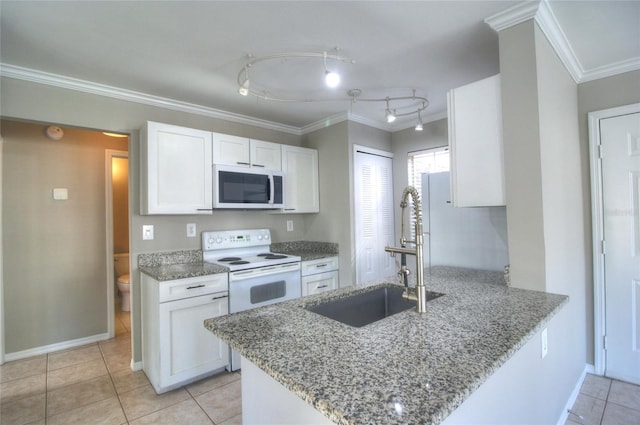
x,y
474,238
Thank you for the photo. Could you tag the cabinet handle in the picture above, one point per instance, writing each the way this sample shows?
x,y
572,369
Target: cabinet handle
x,y
322,286
257,165
219,297
196,287
242,163
204,209
318,266
289,209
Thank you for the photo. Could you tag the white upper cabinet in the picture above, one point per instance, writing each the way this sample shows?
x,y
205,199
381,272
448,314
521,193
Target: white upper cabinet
x,y
266,155
176,170
475,142
300,166
244,152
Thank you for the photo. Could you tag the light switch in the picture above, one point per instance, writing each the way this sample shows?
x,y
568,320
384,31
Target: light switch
x,y
289,225
147,232
60,194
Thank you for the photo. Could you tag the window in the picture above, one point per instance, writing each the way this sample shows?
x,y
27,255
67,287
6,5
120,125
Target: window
x,y
419,162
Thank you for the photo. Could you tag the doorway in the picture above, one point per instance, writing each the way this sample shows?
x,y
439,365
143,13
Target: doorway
x,y
615,179
117,211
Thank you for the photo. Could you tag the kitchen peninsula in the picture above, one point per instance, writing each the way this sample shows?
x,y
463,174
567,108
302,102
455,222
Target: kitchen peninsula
x,y
406,368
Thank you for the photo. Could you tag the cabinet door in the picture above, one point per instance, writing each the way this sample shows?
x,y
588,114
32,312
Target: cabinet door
x,y
266,155
475,142
187,348
231,150
300,166
318,283
176,170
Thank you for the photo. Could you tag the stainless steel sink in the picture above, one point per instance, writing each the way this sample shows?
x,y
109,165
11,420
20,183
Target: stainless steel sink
x,y
367,307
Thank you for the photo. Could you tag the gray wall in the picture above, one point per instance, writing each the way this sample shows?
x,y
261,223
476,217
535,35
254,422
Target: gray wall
x,y
36,102
545,207
335,151
55,259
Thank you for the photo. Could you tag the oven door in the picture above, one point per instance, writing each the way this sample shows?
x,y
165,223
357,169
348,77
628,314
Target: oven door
x,y
262,286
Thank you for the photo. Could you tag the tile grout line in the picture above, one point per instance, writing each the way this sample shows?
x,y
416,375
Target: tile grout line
x,y
113,384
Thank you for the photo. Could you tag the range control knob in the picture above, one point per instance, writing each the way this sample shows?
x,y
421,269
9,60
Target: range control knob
x,y
219,240
266,236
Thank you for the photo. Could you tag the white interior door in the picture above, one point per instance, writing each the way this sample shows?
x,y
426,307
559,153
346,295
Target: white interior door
x,y
373,192
620,140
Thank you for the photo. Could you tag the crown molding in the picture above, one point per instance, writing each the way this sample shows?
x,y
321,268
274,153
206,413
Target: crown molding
x,y
542,13
40,77
610,70
513,16
549,25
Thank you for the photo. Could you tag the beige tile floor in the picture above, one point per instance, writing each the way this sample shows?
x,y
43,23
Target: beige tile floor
x,y
604,401
94,384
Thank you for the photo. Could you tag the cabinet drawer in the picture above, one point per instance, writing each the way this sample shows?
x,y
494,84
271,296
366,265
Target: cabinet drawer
x,y
319,266
320,282
194,286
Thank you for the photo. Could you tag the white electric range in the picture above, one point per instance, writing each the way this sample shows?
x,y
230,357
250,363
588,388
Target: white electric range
x,y
257,276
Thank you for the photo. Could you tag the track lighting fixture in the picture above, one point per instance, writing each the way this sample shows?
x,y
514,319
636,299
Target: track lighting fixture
x,y
396,106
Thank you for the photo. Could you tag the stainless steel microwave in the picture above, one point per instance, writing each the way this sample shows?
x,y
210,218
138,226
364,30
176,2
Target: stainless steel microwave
x,y
247,188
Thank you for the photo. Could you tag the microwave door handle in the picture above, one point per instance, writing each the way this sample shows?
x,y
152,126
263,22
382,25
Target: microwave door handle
x,y
271,189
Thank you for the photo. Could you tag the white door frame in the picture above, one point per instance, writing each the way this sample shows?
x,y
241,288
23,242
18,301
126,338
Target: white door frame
x,y
109,154
1,264
597,223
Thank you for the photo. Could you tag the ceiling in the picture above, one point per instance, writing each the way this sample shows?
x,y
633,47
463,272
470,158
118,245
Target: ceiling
x,y
189,54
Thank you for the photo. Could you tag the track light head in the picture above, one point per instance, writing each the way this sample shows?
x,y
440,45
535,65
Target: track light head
x,y
244,88
331,79
419,125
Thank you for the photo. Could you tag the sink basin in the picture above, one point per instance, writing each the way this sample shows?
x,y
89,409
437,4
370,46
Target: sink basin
x,y
367,307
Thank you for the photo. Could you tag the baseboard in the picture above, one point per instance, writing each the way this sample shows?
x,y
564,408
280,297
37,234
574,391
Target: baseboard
x,y
45,349
588,368
135,366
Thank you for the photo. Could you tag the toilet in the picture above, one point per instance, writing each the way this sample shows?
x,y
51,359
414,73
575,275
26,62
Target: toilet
x,y
121,266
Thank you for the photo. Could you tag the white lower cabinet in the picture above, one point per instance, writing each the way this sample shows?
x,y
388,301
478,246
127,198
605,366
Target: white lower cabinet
x,y
319,275
176,347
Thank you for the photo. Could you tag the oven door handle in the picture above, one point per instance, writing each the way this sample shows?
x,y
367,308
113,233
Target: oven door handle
x,y
263,271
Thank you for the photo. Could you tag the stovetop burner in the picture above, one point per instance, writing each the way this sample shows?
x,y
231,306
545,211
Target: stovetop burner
x,y
242,249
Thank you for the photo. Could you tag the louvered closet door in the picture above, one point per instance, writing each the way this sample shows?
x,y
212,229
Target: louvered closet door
x,y
373,194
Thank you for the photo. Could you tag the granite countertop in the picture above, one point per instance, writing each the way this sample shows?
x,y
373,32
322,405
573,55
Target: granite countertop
x,y
173,265
306,250
428,364
182,271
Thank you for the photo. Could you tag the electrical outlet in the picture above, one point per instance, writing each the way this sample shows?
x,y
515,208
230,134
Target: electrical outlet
x,y
544,344
191,230
147,232
289,225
